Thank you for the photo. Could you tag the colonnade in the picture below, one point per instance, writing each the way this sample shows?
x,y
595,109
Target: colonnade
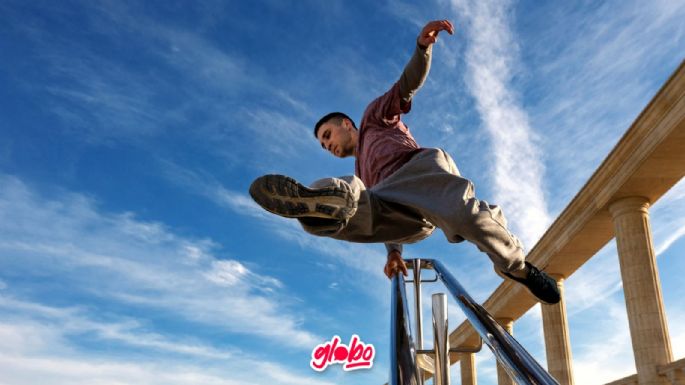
x,y
613,204
644,305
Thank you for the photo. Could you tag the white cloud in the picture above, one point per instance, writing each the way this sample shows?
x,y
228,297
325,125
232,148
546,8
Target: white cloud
x,y
595,281
231,273
33,327
117,257
71,369
101,98
361,257
66,371
227,273
593,76
207,186
667,213
677,331
676,234
608,354
491,59
39,341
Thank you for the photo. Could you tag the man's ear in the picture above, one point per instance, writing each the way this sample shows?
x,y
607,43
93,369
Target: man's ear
x,y
349,126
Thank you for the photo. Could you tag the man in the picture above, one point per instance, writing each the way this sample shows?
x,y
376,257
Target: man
x,y
400,191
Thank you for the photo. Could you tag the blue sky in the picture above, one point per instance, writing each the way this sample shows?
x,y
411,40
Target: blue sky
x,y
130,251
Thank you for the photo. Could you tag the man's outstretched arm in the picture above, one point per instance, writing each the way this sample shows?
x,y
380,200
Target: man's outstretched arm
x,y
415,72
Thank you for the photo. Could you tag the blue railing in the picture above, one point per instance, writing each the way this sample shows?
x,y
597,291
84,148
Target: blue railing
x,y
520,365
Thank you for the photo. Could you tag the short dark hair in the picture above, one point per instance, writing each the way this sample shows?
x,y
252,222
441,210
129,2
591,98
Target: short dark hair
x,y
337,116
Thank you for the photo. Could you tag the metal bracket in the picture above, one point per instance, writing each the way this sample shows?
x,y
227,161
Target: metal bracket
x,y
424,280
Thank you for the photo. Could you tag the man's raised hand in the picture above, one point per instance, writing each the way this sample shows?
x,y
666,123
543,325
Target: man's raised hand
x,y
429,33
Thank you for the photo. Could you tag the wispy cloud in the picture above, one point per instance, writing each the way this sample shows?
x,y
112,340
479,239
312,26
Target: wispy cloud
x,y
607,356
361,257
191,88
668,216
120,258
589,80
207,186
40,341
75,322
518,171
675,319
34,351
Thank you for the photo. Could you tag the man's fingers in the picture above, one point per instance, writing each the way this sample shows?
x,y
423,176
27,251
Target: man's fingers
x,y
388,270
447,26
429,33
393,267
438,25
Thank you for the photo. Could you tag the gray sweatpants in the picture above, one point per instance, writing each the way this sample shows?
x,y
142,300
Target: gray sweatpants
x,y
425,193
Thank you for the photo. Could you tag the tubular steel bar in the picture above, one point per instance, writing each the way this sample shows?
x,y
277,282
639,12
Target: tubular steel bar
x,y
418,314
441,342
520,365
403,369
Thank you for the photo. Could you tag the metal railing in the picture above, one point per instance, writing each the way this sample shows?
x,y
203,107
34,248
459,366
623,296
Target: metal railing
x,y
403,359
408,362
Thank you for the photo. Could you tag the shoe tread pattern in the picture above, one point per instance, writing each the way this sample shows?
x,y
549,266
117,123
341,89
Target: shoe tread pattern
x,y
284,196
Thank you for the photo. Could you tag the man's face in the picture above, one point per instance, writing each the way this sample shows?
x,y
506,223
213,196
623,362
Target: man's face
x,y
338,139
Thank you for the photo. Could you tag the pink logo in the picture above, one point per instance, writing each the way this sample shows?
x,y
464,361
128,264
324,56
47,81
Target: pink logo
x,y
356,355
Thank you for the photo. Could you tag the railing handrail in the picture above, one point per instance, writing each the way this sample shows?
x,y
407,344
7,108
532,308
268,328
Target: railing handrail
x,y
403,370
520,365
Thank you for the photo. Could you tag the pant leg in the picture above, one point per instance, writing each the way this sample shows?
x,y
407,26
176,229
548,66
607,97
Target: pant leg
x,y
430,183
375,220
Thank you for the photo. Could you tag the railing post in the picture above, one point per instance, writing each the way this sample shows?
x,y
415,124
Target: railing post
x,y
441,342
402,350
520,364
518,361
418,315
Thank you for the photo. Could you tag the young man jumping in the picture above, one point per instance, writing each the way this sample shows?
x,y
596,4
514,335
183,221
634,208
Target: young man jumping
x,y
400,191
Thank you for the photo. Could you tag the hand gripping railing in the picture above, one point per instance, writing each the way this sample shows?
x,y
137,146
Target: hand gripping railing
x,y
405,357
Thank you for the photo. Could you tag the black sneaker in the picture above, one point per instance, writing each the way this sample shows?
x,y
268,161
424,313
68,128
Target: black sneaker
x,y
286,197
539,284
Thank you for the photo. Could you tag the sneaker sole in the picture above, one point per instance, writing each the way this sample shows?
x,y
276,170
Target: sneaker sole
x,y
286,197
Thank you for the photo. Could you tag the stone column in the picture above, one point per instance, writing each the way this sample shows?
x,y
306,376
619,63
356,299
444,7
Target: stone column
x,y
468,369
503,377
557,340
642,288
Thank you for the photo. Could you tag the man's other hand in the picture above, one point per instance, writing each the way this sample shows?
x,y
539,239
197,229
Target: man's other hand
x,y
395,264
429,33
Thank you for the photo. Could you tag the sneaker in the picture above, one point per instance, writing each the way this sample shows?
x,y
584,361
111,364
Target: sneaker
x,y
539,284
286,197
